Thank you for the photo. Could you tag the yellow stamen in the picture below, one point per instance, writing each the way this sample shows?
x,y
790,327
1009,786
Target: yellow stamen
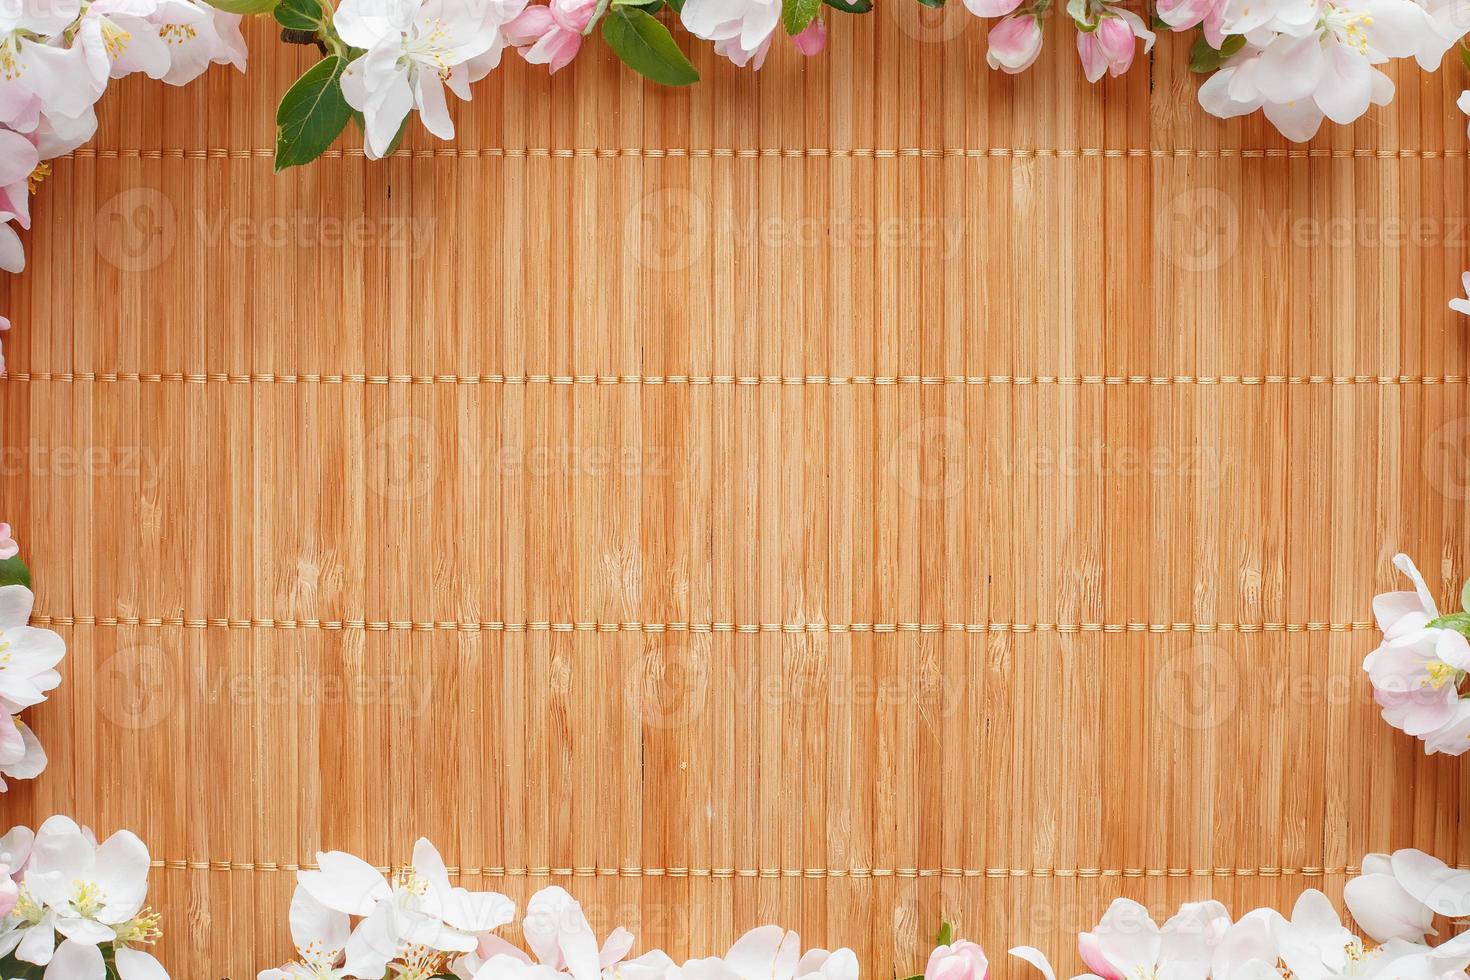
x,y
142,929
42,171
89,898
177,33
1440,674
114,38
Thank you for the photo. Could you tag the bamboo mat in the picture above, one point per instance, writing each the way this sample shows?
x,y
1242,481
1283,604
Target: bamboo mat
x,y
865,493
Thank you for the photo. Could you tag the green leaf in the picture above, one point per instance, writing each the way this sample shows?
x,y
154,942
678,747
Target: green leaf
x,y
797,14
397,140
312,114
646,46
13,969
1464,55
298,15
946,935
936,4
1459,622
850,6
677,6
243,6
1465,597
1204,59
13,571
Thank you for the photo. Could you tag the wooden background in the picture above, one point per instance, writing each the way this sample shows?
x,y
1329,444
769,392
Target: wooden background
x,y
867,492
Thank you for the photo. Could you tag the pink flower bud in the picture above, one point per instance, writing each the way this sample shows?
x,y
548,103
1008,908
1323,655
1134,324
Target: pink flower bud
x,y
573,15
963,960
1089,52
1014,44
1116,39
1108,48
551,35
8,547
813,39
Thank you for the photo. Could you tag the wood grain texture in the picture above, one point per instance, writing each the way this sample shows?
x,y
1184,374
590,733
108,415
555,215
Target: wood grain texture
x,y
868,492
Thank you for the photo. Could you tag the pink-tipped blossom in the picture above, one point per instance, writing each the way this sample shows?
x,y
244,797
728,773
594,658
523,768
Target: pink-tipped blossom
x,y
1108,49
18,159
1015,43
740,56
963,960
551,34
8,547
1416,671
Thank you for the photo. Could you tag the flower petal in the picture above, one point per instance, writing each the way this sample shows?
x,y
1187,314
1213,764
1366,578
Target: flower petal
x,y
315,925
1384,910
1291,68
76,961
1432,882
345,883
768,952
134,964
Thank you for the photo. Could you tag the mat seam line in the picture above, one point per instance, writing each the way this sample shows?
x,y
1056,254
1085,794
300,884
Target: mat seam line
x,y
635,626
810,873
813,380
770,152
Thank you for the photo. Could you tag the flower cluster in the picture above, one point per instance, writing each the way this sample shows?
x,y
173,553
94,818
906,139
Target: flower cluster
x,y
1302,62
1298,61
76,907
390,58
28,659
1393,902
349,920
416,926
56,58
1419,669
